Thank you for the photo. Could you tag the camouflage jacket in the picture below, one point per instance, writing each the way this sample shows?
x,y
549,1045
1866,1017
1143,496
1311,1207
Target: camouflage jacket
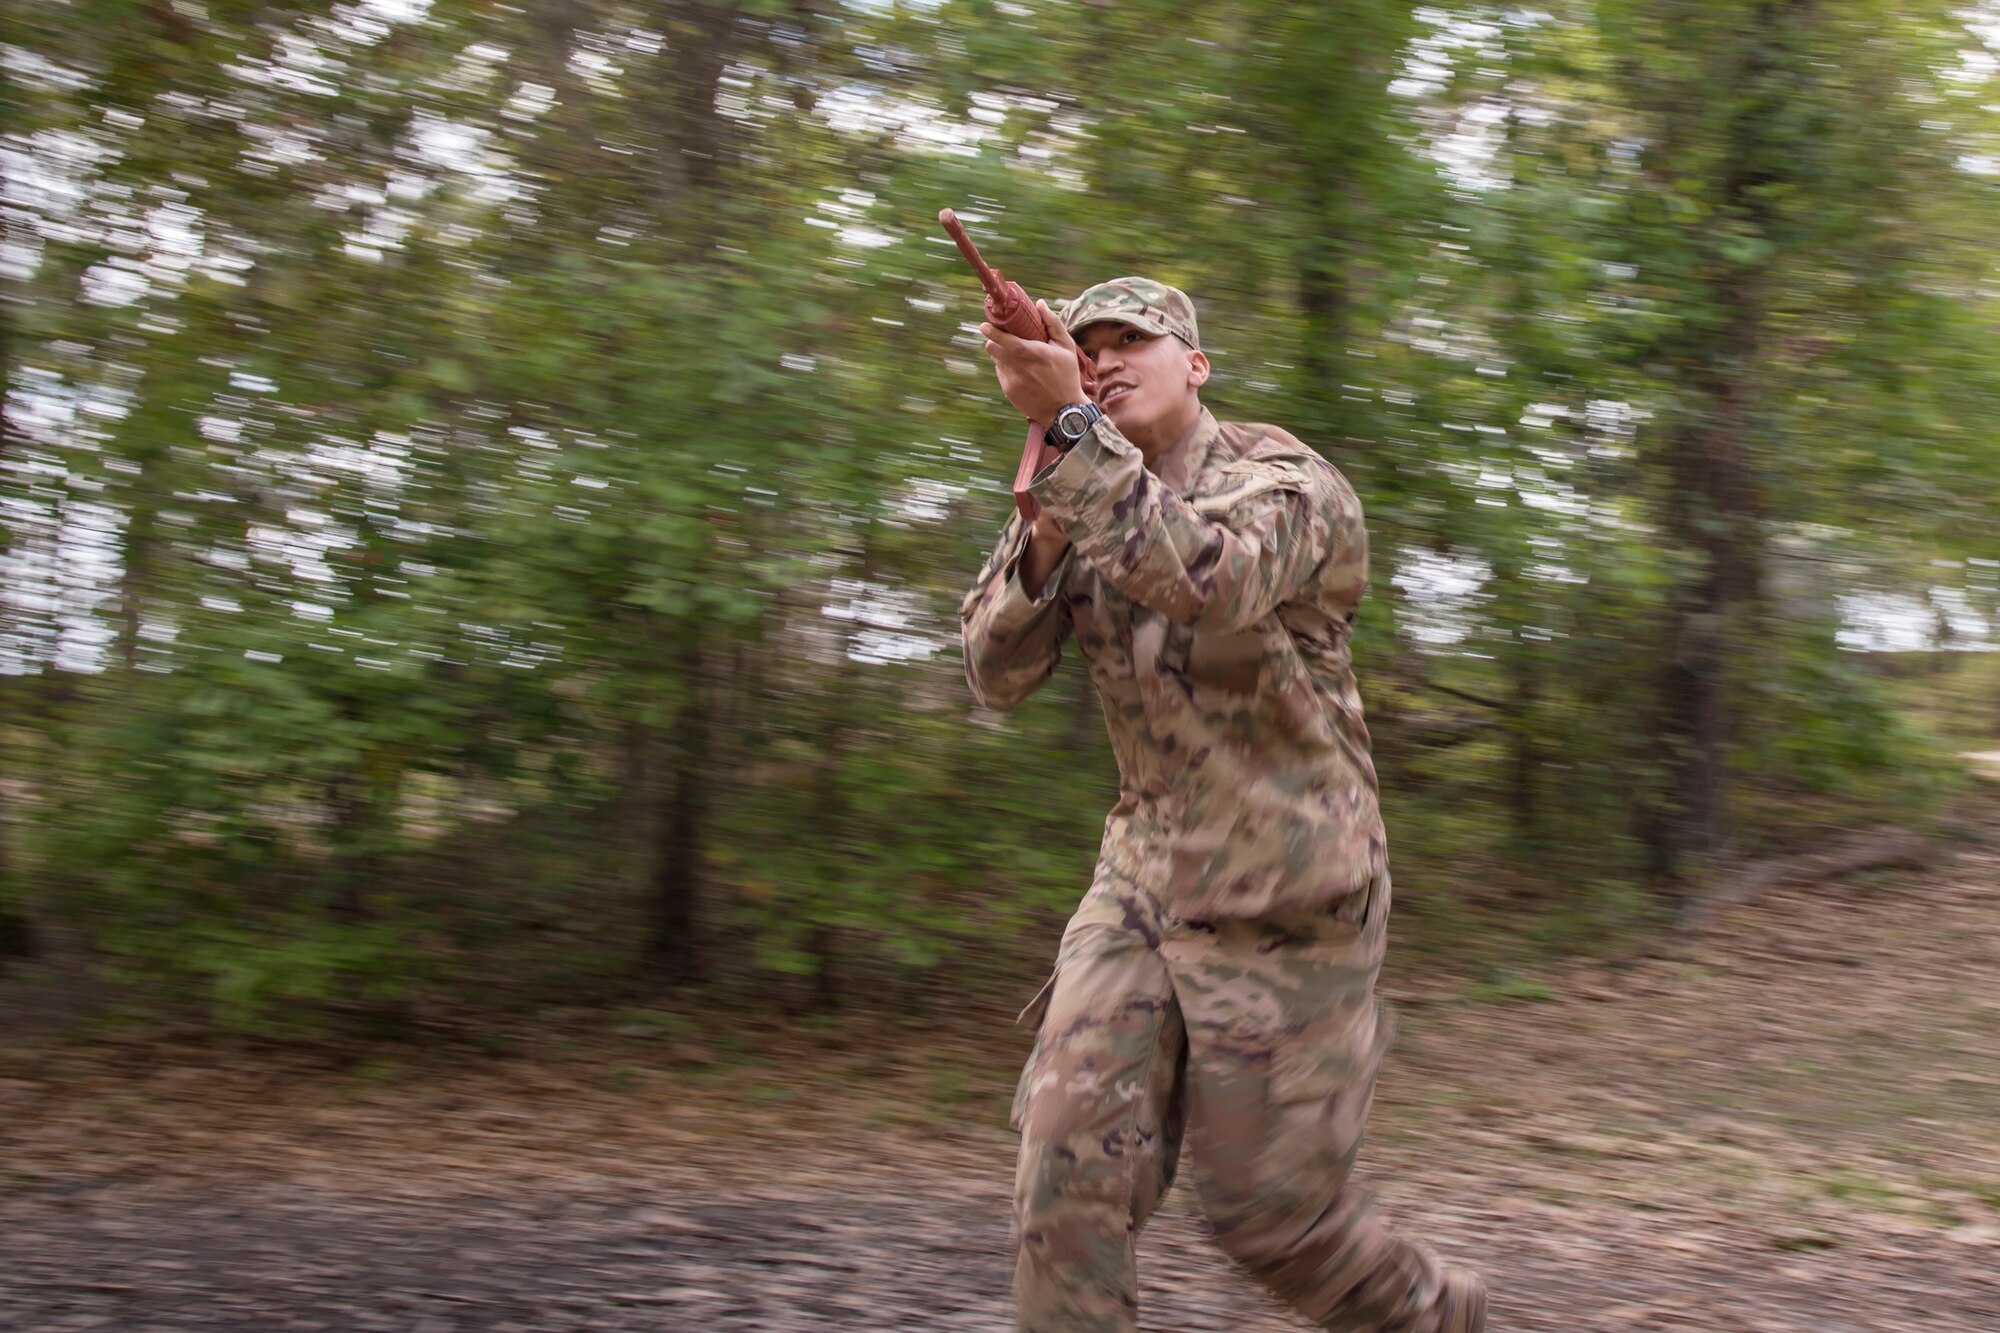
x,y
1213,603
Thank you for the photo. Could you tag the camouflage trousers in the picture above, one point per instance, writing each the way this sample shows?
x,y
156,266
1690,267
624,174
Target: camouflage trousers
x,y
1257,1039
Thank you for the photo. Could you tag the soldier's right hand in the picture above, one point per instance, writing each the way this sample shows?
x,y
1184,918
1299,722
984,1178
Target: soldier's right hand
x,y
1046,544
1047,532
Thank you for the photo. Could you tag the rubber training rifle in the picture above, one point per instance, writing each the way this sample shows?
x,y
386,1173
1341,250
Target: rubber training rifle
x,y
1008,307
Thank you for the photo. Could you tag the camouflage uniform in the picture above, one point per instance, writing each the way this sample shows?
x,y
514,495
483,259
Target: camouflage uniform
x,y
1218,976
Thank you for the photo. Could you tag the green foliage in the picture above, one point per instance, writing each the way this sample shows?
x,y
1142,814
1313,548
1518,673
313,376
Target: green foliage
x,y
288,981
485,493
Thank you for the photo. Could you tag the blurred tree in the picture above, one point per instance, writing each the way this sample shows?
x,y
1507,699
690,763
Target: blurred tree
x,y
485,490
1785,159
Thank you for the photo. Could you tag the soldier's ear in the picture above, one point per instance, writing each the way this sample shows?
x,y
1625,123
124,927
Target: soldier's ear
x,y
1197,370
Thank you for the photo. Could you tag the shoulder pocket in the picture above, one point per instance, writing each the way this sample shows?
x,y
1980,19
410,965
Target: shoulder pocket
x,y
1246,479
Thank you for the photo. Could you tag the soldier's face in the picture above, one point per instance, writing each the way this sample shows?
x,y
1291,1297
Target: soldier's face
x,y
1144,380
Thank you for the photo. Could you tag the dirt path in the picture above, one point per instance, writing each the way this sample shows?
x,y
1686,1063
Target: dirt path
x,y
1793,1125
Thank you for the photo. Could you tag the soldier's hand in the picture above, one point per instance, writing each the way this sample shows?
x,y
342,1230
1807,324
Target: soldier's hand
x,y
1039,378
1047,532
1046,544
1057,331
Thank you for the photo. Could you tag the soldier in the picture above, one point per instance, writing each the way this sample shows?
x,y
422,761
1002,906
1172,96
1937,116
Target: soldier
x,y
1218,977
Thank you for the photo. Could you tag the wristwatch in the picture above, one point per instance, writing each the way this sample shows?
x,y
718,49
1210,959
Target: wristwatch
x,y
1072,423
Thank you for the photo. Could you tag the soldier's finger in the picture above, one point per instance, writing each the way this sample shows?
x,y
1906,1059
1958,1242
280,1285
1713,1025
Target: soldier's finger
x,y
1058,333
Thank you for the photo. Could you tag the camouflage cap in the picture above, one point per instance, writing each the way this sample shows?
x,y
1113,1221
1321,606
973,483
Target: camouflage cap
x,y
1140,302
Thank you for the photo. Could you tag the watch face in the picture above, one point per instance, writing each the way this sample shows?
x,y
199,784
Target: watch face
x,y
1072,421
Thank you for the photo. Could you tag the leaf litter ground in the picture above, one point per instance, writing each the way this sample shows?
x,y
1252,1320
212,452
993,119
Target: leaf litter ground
x,y
1791,1123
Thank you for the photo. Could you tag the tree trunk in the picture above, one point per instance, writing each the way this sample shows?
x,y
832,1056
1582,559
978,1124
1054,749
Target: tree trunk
x,y
17,937
1326,303
1713,508
1712,511
677,878
832,807
17,934
1524,798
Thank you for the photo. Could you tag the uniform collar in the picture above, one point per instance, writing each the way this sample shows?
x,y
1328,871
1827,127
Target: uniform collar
x,y
1178,467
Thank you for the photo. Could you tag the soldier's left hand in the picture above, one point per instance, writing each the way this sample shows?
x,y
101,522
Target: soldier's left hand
x,y
1039,378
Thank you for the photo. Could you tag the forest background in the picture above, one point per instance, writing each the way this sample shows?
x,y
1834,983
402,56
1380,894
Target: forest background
x,y
486,488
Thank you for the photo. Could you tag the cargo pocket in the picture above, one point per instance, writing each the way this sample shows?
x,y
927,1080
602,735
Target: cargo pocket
x,y
1321,1083
1310,1068
1030,1017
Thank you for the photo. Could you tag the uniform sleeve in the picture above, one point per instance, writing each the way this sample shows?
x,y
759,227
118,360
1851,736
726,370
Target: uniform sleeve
x,y
1223,563
1012,641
